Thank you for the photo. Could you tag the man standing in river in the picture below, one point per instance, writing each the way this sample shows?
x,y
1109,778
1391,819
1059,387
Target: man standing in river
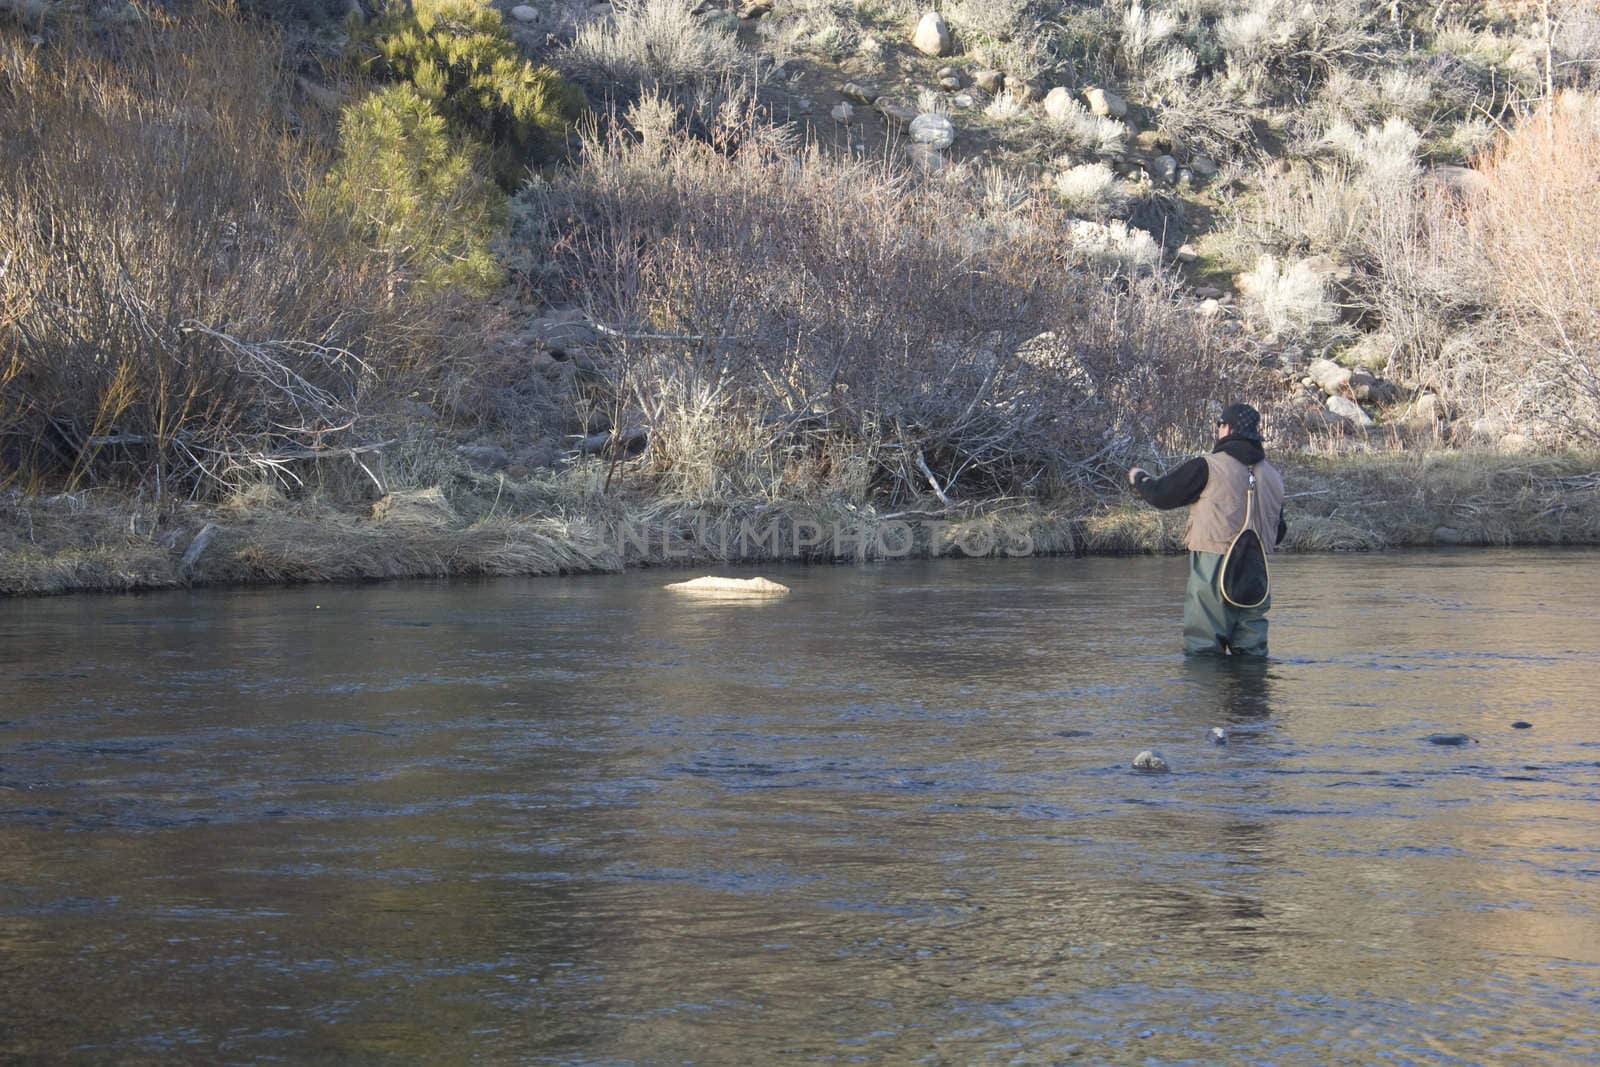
x,y
1215,487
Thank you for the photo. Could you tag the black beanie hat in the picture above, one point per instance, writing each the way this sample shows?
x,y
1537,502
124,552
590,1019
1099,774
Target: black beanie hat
x,y
1243,420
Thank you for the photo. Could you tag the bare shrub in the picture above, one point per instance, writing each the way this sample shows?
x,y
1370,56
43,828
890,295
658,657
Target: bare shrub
x,y
174,313
884,340
1533,226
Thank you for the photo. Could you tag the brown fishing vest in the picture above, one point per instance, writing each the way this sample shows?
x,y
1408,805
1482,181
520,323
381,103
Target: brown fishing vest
x,y
1215,518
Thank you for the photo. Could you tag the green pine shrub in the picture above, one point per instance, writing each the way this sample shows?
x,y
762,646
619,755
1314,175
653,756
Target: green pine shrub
x,y
458,56
420,192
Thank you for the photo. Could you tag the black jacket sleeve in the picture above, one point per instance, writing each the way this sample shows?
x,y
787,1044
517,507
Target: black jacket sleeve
x,y
1179,487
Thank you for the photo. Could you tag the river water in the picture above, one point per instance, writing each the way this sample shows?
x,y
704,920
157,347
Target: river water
x,y
889,819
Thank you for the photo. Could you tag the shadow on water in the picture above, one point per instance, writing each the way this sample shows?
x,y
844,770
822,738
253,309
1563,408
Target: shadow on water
x,y
890,818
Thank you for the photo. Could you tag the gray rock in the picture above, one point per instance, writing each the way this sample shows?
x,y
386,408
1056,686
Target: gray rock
x,y
1187,254
1203,167
990,81
932,129
896,111
524,13
1027,92
1446,535
842,112
859,94
926,158
1451,739
933,35
1165,169
1151,762
1330,377
965,101
1058,102
1429,408
1346,408
197,548
1105,103
1218,735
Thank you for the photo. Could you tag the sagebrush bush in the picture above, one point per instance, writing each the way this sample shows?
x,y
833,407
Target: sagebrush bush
x,y
458,55
1089,189
1290,299
422,192
655,44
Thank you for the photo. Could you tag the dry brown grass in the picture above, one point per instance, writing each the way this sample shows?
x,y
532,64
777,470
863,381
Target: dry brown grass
x,y
173,313
792,318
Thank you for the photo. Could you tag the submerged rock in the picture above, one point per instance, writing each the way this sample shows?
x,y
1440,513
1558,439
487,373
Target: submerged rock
x,y
1521,725
1218,735
1451,739
1151,762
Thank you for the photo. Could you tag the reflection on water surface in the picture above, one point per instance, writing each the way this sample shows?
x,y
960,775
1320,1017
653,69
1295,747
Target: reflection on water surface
x,y
888,819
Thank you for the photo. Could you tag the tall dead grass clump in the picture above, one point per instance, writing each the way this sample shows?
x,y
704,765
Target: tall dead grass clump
x,y
1533,226
804,308
175,313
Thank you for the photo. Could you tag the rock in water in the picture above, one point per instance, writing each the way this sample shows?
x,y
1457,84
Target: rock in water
x,y
730,587
1521,725
1151,762
1451,739
1218,735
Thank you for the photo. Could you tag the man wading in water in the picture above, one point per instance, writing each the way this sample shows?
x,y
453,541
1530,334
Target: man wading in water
x,y
1216,488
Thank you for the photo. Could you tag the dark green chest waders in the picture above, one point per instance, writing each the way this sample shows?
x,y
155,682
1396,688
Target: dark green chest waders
x,y
1243,580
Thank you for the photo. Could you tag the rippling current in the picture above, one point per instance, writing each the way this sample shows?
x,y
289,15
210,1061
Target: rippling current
x,y
889,819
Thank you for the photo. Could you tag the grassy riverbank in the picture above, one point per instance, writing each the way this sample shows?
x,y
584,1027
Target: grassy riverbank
x,y
95,541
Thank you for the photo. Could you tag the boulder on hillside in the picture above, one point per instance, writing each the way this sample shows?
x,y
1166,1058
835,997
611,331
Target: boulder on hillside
x,y
1105,103
934,130
932,37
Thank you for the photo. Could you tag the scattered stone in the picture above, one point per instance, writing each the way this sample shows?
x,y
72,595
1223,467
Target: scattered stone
x,y
860,94
1151,762
1165,169
1209,292
1329,376
933,35
1463,181
965,101
1218,735
1058,103
1521,725
1346,408
1428,408
1371,388
1210,308
1451,739
524,13
927,158
896,111
197,548
990,81
1187,254
933,129
1185,178
713,586
1446,535
842,112
1105,103
1203,167
1153,142
755,9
